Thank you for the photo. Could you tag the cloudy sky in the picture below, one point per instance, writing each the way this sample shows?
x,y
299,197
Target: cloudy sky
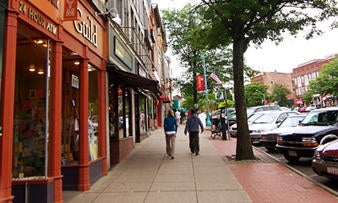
x,y
270,57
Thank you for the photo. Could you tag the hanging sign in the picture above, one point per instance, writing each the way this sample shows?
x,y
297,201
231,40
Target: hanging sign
x,y
70,10
200,83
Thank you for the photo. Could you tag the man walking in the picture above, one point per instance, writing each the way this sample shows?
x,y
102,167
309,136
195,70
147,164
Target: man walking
x,y
192,127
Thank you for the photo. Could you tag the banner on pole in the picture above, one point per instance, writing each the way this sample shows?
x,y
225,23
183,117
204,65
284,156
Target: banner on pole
x,y
200,83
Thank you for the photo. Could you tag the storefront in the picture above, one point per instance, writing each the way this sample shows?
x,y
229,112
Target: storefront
x,y
54,134
132,95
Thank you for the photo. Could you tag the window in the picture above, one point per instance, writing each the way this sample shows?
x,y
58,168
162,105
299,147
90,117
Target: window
x,y
31,106
93,112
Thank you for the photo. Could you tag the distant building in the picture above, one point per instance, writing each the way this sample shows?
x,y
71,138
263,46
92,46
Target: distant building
x,y
271,78
304,73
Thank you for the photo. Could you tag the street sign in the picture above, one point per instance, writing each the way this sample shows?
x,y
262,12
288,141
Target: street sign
x,y
219,95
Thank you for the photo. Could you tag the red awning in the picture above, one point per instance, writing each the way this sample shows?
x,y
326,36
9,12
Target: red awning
x,y
165,99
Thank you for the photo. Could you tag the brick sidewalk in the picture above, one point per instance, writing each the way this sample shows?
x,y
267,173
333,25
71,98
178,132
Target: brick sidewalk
x,y
266,180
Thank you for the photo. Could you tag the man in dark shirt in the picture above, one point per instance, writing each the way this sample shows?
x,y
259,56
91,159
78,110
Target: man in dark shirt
x,y
192,127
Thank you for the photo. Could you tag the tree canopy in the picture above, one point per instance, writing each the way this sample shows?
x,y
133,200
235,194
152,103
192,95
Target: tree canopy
x,y
241,22
327,81
280,95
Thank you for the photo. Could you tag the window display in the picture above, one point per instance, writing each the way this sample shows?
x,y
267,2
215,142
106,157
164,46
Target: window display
x,y
29,153
93,113
70,114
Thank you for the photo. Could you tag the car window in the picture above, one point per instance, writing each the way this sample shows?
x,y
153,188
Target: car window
x,y
253,117
320,118
291,121
281,117
266,118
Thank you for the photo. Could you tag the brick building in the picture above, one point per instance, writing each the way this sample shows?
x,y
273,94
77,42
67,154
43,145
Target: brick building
x,y
306,72
271,78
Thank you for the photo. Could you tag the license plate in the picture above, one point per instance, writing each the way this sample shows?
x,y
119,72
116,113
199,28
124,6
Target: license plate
x,y
292,153
333,171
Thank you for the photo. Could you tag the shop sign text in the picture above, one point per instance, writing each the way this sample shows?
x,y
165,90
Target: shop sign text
x,y
86,28
37,18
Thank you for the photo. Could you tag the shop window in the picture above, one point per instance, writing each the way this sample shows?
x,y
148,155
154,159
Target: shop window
x,y
93,112
142,107
113,116
31,107
70,109
120,103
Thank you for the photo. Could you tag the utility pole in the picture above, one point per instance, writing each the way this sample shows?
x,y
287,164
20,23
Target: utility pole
x,y
208,122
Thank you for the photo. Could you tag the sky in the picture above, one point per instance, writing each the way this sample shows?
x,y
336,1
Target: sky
x,y
284,57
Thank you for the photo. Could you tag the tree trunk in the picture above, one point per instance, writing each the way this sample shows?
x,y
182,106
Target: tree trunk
x,y
243,147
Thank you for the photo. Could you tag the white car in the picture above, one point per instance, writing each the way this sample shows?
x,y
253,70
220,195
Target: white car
x,y
251,118
266,122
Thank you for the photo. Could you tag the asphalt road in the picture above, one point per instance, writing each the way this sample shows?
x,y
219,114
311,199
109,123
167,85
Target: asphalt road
x,y
303,167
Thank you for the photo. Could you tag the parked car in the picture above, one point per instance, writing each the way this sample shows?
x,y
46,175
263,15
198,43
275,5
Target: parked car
x,y
269,138
252,118
303,140
325,158
269,120
250,111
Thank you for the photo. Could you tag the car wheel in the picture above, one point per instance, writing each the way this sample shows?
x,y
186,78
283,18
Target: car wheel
x,y
291,159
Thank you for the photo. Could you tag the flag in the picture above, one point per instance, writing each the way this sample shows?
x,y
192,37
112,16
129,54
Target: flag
x,y
214,77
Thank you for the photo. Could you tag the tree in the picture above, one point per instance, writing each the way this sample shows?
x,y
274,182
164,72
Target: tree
x,y
188,43
241,22
279,94
255,94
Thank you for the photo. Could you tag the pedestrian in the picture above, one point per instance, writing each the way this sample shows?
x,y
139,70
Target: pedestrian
x,y
170,130
192,127
177,116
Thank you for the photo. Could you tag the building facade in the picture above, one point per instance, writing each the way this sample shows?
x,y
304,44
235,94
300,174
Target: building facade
x,y
303,75
77,78
271,78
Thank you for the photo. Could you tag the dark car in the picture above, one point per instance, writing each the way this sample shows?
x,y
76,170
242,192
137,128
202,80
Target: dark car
x,y
303,140
325,158
269,138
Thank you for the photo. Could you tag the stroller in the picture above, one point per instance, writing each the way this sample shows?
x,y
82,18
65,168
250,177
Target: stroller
x,y
216,128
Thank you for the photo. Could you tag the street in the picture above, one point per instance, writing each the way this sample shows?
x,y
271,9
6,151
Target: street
x,y
304,167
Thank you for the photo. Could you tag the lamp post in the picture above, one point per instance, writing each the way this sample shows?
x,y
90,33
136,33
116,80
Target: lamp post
x,y
208,122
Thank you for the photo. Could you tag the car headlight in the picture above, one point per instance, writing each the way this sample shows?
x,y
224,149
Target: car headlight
x,y
316,155
309,142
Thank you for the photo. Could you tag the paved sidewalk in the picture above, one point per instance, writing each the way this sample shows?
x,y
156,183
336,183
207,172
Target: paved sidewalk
x,y
148,176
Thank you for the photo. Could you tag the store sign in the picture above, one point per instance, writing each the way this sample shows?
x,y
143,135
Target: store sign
x,y
75,81
86,28
123,54
37,18
70,10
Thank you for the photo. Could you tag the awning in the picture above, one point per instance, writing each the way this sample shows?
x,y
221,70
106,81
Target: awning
x,y
133,80
165,99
